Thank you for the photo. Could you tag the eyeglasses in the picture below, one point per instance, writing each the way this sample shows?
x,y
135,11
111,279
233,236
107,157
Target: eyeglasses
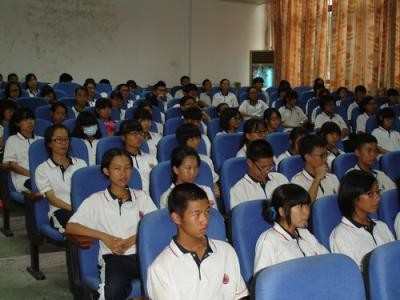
x,y
61,140
266,169
322,155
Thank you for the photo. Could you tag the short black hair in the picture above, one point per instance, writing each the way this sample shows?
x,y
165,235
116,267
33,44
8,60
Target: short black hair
x,y
360,88
192,113
46,90
109,156
392,92
183,193
65,77
48,136
184,99
363,138
353,185
184,77
325,100
222,80
290,94
285,196
384,113
258,80
10,75
250,126
89,81
20,114
80,88
185,132
226,116
105,81
308,143
205,81
7,104
159,84
190,87
7,89
296,133
328,128
129,126
29,77
365,101
142,114
259,149
284,85
85,119
269,112
178,155
103,103
56,105
116,94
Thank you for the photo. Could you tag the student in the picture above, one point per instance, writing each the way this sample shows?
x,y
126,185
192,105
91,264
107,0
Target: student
x,y
321,94
53,176
292,115
87,128
158,95
359,93
253,129
289,238
224,95
146,105
132,137
205,95
357,234
81,101
12,91
12,77
260,180
317,88
103,113
253,107
7,110
31,85
112,216
273,120
191,90
393,98
185,164
295,136
152,138
117,104
65,78
178,270
186,102
58,113
133,87
90,86
16,151
230,120
123,89
283,87
342,94
367,153
258,84
315,177
368,106
388,138
327,104
189,135
221,108
331,133
185,80
194,115
48,93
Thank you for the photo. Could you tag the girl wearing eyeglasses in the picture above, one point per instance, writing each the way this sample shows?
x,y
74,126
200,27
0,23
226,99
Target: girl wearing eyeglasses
x,y
53,177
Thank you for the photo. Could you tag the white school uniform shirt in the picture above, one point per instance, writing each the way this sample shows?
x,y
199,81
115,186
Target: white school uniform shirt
x,y
242,152
174,274
253,110
17,150
229,99
276,245
1,131
33,93
91,148
384,181
350,109
205,98
246,189
209,162
281,157
361,122
322,118
144,162
207,143
329,185
388,140
397,226
292,117
314,114
49,177
210,196
160,128
355,241
153,142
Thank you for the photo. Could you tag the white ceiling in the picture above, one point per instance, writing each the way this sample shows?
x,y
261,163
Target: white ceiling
x,y
247,1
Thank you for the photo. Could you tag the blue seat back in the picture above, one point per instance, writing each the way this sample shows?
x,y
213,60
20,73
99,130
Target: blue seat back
x,y
325,216
173,112
247,226
388,161
60,94
389,206
383,272
343,163
213,128
171,125
44,112
328,277
354,115
67,87
225,146
279,142
372,123
161,179
232,171
104,88
31,102
168,143
68,101
291,166
156,231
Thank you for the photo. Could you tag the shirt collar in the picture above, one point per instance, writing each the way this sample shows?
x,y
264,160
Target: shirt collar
x,y
54,164
178,250
138,154
110,196
355,224
374,172
278,228
307,175
19,135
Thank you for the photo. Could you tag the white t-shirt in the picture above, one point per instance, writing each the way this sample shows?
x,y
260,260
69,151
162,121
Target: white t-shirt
x,y
205,98
293,117
246,189
91,148
229,99
350,109
329,185
17,150
322,118
174,274
153,142
276,245
361,122
388,140
144,163
384,181
397,225
355,241
253,110
210,196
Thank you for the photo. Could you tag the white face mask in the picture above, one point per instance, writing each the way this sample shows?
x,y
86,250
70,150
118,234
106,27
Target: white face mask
x,y
90,130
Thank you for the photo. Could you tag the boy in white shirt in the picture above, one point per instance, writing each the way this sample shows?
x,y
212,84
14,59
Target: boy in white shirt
x,y
359,93
253,107
194,115
368,107
225,96
81,100
260,180
205,95
185,80
152,138
194,266
292,115
327,104
388,138
367,153
315,177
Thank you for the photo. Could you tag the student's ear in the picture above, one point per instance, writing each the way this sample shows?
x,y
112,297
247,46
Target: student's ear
x,y
281,212
106,172
176,218
123,138
248,162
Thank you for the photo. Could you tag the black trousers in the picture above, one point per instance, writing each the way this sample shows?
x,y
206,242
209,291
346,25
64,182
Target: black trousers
x,y
120,270
62,216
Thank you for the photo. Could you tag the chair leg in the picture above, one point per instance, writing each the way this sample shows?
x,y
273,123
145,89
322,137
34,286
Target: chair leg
x,y
6,211
34,269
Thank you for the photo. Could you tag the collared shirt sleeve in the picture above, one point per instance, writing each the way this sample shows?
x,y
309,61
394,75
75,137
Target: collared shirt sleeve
x,y
339,244
397,225
86,214
264,253
241,289
10,151
42,179
146,204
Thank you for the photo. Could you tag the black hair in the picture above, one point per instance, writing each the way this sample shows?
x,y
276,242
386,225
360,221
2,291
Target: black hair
x,y
226,116
352,186
284,85
45,90
65,77
220,107
290,94
363,138
109,156
178,155
7,105
105,81
10,75
328,128
129,126
116,94
325,100
20,114
159,84
190,87
340,89
259,149
205,81
269,112
250,126
85,119
48,136
131,82
183,193
142,114
184,99
89,81
392,92
8,88
29,77
183,78
296,133
80,88
222,80
185,132
365,101
56,105
285,196
360,88
318,84
308,143
192,113
258,80
384,113
101,104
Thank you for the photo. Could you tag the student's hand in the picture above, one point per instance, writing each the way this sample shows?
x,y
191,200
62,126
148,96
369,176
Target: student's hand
x,y
128,243
321,171
114,244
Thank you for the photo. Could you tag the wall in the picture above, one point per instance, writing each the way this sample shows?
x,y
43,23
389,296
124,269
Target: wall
x,y
145,40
